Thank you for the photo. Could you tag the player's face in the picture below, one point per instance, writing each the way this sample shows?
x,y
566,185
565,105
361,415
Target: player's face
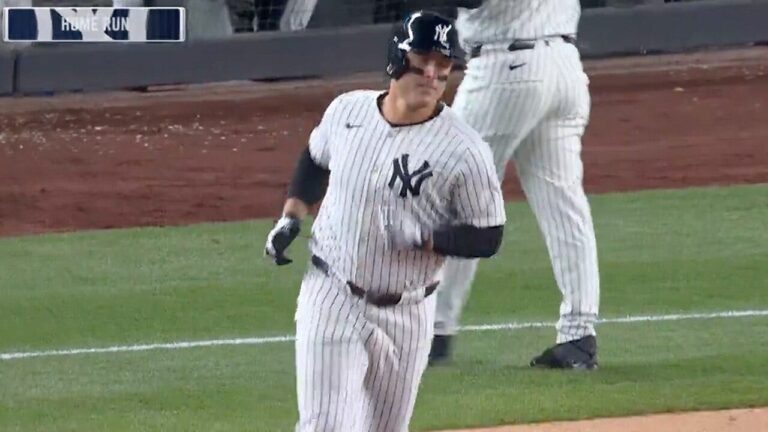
x,y
424,83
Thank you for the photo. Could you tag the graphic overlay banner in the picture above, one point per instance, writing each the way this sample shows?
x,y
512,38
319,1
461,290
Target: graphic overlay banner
x,y
100,24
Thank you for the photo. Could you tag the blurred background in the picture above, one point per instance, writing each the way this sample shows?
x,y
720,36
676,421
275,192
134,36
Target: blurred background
x,y
267,40
218,18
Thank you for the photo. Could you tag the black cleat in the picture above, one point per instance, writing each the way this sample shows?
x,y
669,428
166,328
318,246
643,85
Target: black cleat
x,y
441,350
576,354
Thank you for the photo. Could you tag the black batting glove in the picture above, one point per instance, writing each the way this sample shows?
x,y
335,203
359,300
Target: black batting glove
x,y
285,231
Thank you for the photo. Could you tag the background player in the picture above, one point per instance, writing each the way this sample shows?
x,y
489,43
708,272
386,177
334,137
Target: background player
x,y
526,93
407,184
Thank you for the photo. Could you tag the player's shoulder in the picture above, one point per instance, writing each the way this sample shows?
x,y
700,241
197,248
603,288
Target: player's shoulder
x,y
354,97
469,140
343,105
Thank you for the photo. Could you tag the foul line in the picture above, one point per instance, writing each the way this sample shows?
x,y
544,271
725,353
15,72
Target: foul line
x,y
278,339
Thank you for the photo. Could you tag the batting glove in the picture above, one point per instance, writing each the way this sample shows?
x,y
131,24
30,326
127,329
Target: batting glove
x,y
285,231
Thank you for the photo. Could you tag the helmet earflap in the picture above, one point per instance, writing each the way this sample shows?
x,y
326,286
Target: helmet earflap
x,y
398,60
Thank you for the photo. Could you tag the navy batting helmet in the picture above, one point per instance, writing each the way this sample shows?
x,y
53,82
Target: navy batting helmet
x,y
421,32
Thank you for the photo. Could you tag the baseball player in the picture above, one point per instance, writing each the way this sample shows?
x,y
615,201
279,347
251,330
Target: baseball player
x,y
404,184
526,93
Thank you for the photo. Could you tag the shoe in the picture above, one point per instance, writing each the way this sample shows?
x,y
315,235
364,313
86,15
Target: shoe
x,y
576,354
441,350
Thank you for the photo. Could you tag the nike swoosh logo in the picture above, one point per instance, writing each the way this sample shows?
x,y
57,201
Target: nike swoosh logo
x,y
351,126
513,67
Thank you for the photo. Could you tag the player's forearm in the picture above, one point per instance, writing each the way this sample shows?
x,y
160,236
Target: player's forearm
x,y
307,186
467,241
295,208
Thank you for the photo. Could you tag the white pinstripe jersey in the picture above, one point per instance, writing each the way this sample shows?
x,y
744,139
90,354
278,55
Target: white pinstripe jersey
x,y
439,173
508,20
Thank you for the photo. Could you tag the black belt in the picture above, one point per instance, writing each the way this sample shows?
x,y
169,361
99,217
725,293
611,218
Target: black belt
x,y
520,45
380,300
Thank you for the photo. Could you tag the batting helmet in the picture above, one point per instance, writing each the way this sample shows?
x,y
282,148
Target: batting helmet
x,y
421,32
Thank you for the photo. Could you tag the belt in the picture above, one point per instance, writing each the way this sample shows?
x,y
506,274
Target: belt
x,y
380,300
521,44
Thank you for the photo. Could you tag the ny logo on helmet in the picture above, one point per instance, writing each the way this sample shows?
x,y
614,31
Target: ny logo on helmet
x,y
441,34
401,171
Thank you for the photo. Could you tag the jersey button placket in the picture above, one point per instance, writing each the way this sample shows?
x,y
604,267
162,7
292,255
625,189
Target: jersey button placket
x,y
371,204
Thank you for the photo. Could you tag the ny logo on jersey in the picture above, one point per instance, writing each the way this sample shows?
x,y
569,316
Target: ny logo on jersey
x,y
441,34
401,171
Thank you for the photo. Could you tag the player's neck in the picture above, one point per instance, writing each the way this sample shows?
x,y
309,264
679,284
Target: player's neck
x,y
397,112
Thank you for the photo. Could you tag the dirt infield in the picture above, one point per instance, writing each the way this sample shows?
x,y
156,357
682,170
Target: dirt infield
x,y
225,152
743,420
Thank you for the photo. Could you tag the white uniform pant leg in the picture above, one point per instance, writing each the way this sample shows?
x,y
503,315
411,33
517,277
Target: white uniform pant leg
x,y
358,367
331,359
398,349
297,14
550,169
456,281
503,106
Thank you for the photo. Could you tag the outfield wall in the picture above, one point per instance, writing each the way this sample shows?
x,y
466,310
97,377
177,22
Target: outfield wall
x,y
604,32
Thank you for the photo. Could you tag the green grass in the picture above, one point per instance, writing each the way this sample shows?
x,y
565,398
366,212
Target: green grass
x,y
688,250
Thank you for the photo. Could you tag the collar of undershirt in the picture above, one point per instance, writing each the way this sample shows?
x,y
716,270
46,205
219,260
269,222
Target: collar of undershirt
x,y
380,100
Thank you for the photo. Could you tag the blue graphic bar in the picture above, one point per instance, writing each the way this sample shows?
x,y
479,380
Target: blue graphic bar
x,y
101,24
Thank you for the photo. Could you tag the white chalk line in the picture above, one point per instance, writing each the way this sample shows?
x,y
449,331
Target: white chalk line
x,y
279,339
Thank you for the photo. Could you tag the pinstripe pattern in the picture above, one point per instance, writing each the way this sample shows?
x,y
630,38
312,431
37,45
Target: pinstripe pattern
x,y
359,366
346,232
508,20
534,115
